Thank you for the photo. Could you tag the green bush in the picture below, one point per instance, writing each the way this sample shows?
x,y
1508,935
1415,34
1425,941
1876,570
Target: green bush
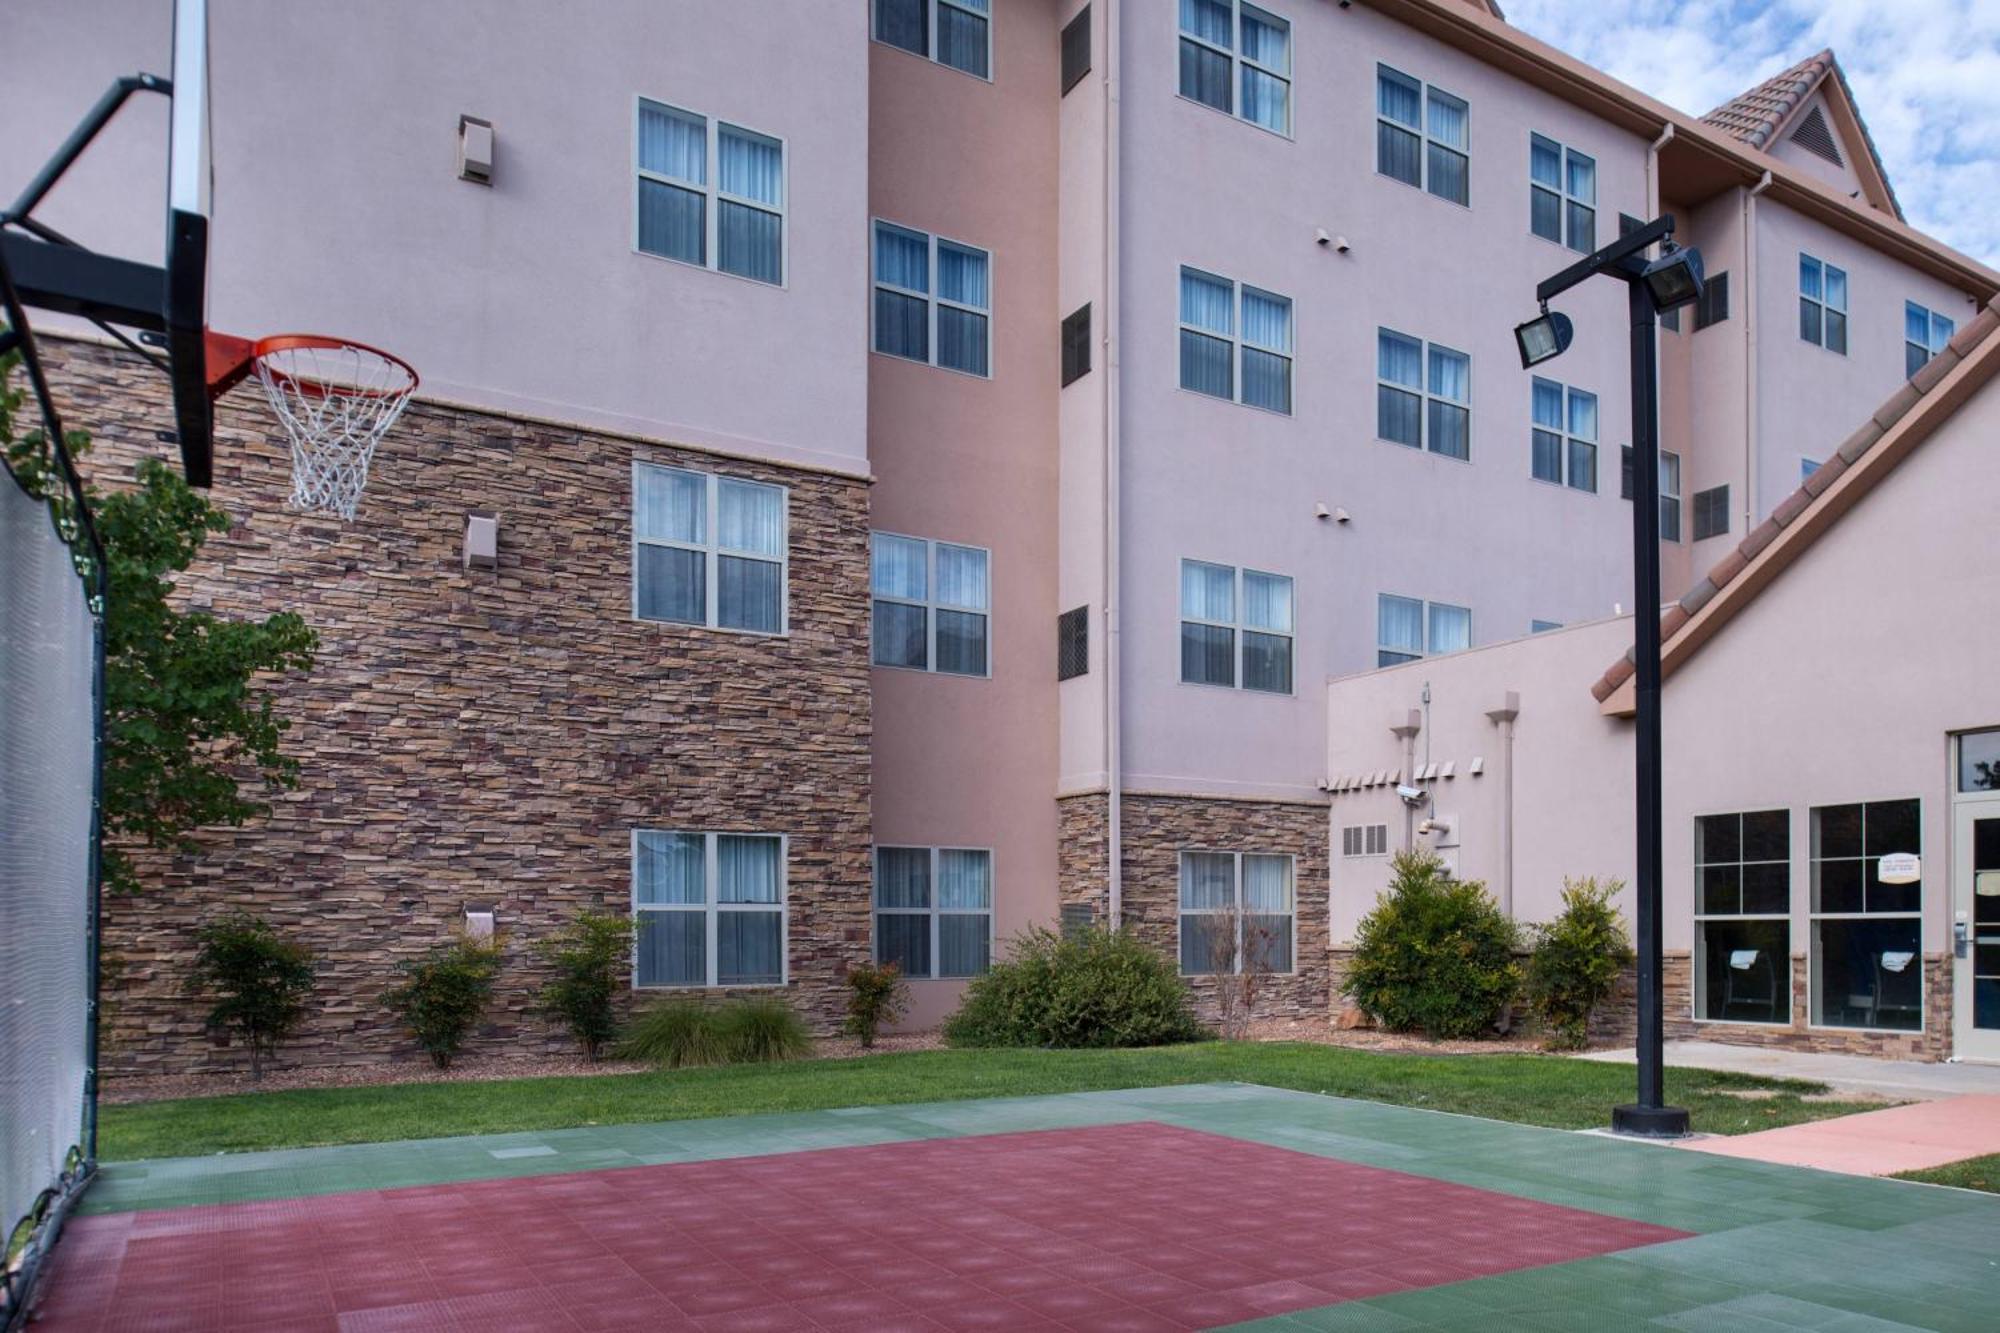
x,y
876,994
1436,955
681,1033
1091,988
444,992
260,981
591,956
1576,962
755,1030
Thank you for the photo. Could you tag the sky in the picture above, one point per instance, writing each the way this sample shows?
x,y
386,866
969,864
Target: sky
x,y
1925,73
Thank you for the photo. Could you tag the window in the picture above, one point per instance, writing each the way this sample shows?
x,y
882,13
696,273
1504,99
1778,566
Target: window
x,y
1867,963
1073,643
934,910
1823,304
1364,840
1670,489
708,550
1075,50
1562,194
1213,652
736,225
710,909
1433,412
1236,914
1211,351
1712,306
1543,626
1076,346
1979,761
1237,58
951,32
930,605
948,331
1925,332
1711,513
1564,436
1743,923
1423,136
1406,629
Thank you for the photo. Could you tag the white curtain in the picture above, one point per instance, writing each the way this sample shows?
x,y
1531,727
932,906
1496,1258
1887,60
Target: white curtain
x,y
1545,162
1208,592
1397,98
903,877
1208,881
898,567
962,37
1809,277
1399,359
962,274
752,166
1267,602
1400,624
1206,301
1449,119
902,257
965,880
669,505
1836,288
1267,320
1451,628
1582,178
748,868
961,576
750,517
1451,375
673,143
1267,885
1583,414
671,869
1548,404
1208,20
1267,39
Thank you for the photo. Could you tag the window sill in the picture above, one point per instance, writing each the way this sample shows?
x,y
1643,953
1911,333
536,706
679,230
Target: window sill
x,y
1237,402
929,671
785,633
1426,452
1238,689
721,272
1743,1023
1286,135
986,78
987,377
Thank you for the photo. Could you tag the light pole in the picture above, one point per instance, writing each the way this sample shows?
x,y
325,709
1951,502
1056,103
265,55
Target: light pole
x,y
1667,282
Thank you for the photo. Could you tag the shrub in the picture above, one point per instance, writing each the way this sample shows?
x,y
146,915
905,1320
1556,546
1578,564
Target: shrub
x,y
1576,962
677,1034
876,994
444,992
590,956
755,1030
1435,955
260,981
1091,988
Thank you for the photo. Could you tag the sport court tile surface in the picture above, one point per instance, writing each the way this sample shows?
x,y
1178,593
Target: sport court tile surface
x,y
1176,1224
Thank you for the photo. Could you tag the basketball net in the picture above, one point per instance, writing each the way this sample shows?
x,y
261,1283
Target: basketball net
x,y
336,400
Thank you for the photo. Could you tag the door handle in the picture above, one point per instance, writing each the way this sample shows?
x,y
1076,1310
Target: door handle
x,y
1961,939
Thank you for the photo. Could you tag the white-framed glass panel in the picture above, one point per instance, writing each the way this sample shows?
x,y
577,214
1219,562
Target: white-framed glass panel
x,y
1237,58
934,910
731,219
933,299
951,32
1236,627
1563,436
1867,958
708,550
710,909
1407,628
1235,341
1562,194
1238,913
1423,135
1670,496
1423,394
1979,762
932,605
1743,924
1925,332
1822,304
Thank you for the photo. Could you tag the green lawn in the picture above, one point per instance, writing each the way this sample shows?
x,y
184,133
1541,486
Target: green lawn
x,y
1530,1089
1974,1173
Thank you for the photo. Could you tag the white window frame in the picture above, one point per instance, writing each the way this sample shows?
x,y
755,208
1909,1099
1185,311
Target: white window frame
x,y
712,192
1361,841
1563,197
1814,916
931,299
1237,61
931,8
713,550
931,606
876,910
1236,905
711,909
1932,319
1240,626
1238,291
1781,967
1425,91
1428,650
1422,393
1825,304
1568,439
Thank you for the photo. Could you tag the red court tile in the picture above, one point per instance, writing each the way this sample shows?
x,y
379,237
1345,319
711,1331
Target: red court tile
x,y
1123,1227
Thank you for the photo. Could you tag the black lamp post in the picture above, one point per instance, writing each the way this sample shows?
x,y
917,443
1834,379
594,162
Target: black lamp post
x,y
1671,280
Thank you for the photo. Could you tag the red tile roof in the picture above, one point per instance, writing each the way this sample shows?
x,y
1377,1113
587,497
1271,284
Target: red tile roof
x,y
1756,117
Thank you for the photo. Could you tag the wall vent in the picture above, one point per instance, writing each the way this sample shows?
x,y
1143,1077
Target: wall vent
x,y
1815,137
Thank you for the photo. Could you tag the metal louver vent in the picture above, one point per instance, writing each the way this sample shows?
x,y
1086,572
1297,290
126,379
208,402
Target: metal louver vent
x,y
1814,136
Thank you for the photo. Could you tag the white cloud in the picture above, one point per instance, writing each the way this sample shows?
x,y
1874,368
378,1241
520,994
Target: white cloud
x,y
1926,74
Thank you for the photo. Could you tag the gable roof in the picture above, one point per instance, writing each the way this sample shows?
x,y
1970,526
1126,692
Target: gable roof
x,y
1903,422
1756,118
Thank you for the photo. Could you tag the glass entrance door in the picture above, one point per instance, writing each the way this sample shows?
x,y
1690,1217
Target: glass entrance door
x,y
1976,931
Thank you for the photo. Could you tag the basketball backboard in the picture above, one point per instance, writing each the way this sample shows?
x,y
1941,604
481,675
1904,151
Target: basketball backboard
x,y
185,310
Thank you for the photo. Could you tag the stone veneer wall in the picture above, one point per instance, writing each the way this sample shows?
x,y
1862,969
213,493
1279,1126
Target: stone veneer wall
x,y
1156,829
489,737
1934,1042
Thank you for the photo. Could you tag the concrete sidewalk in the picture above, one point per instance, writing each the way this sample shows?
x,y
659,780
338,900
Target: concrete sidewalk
x,y
1898,1080
1875,1143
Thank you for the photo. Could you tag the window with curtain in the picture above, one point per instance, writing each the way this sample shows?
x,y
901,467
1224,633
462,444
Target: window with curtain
x,y
1867,966
1407,628
708,550
1237,58
1743,907
1670,488
1236,627
1238,913
1236,341
932,603
731,219
1822,304
1423,394
1562,194
951,32
934,910
710,909
932,301
1423,136
1563,435
1925,332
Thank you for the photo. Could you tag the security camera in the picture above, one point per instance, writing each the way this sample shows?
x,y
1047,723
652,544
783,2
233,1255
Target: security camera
x,y
1411,795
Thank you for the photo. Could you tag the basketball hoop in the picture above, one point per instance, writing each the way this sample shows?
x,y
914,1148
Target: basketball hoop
x,y
337,399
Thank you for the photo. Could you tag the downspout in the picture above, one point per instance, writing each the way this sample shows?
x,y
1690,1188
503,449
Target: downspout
x,y
1750,352
1412,724
1653,202
1503,717
1114,749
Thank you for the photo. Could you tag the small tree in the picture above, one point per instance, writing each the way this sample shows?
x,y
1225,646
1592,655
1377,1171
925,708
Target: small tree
x,y
1239,975
444,992
1436,954
1576,962
260,981
590,955
876,994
